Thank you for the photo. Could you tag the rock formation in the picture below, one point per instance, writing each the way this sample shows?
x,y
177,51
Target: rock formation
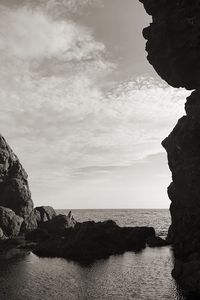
x,y
17,215
10,223
48,234
37,216
14,189
173,46
88,241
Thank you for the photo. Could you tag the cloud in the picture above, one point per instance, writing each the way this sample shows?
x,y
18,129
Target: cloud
x,y
33,35
69,124
59,112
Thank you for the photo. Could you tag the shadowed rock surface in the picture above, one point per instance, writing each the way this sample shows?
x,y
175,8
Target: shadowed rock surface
x,y
173,46
88,241
156,241
58,224
173,41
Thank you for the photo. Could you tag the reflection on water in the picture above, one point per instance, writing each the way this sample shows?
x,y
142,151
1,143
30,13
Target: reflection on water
x,y
145,275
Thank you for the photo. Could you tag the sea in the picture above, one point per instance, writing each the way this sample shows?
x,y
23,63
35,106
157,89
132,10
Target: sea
x,y
141,276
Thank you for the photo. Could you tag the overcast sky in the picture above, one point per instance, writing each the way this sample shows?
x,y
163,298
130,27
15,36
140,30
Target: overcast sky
x,y
81,106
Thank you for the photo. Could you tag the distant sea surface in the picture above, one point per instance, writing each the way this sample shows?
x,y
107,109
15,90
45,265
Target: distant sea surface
x,y
142,276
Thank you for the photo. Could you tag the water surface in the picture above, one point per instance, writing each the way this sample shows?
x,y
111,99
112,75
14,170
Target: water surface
x,y
145,275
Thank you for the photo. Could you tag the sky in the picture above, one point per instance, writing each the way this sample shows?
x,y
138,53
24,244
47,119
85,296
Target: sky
x,y
81,106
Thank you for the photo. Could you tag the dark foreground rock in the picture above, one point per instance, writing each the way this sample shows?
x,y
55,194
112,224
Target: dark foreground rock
x,y
173,47
156,241
55,226
88,241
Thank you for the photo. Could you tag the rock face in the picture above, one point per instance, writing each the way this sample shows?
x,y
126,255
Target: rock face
x,y
173,42
10,223
14,189
17,215
173,46
183,148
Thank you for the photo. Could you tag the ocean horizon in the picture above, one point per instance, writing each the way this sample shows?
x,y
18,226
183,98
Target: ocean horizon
x,y
140,276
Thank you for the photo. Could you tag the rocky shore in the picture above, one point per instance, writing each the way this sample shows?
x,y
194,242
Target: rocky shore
x,y
173,47
41,230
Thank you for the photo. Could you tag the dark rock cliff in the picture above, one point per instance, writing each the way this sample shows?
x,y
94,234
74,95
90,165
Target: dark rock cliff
x,y
14,189
173,40
17,215
173,46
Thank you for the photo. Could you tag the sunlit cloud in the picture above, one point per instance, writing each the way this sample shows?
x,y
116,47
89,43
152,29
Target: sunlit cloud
x,y
59,112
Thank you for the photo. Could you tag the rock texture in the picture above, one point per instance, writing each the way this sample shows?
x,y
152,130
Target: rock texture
x,y
14,189
10,223
173,46
173,40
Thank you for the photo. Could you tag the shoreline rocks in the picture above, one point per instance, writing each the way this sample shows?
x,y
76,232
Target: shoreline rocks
x,y
88,241
39,229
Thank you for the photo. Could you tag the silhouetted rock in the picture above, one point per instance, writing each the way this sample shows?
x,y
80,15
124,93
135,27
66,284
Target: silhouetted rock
x,y
14,189
173,41
10,223
156,241
173,47
58,224
37,235
55,226
89,241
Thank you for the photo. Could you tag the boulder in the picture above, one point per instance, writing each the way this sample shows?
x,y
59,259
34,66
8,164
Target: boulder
x,y
37,216
44,213
10,223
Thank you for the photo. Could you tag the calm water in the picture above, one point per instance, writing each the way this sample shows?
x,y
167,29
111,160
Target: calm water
x,y
130,276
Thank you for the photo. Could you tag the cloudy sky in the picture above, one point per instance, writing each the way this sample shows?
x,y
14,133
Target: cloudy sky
x,y
81,106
